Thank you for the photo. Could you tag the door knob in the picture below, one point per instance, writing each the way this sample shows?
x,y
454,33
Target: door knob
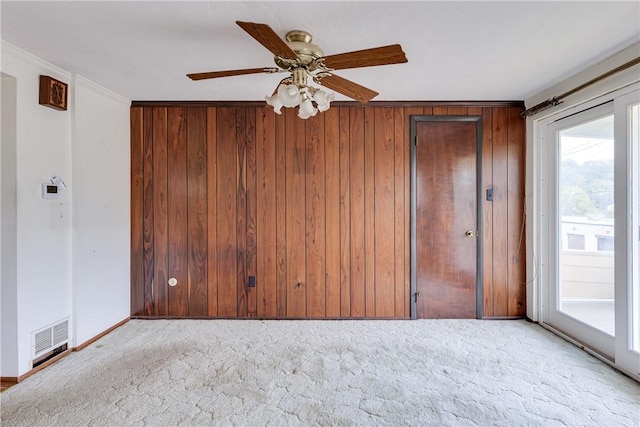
x,y
471,233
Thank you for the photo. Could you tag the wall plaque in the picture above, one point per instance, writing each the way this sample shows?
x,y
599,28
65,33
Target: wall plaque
x,y
53,93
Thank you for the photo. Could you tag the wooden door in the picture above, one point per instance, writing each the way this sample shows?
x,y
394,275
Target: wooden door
x,y
446,217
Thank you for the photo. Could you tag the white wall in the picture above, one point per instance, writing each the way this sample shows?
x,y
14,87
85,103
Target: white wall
x,y
47,236
101,231
43,226
8,233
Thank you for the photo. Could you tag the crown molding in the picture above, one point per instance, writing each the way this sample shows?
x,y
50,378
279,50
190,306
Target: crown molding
x,y
7,48
83,81
57,72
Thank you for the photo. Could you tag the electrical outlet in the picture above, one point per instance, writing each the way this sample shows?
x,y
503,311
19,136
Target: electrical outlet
x,y
490,194
252,281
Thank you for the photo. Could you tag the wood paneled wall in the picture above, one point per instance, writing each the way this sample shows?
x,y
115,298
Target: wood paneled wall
x,y
317,210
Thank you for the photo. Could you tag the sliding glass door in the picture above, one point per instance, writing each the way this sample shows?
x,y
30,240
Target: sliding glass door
x,y
593,228
583,301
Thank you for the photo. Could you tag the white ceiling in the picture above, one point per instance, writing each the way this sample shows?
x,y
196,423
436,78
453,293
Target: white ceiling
x,y
456,50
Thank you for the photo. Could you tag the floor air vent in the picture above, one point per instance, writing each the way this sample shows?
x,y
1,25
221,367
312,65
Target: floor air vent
x,y
49,341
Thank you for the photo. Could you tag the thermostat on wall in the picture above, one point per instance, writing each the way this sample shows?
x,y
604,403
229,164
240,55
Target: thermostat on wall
x,y
49,191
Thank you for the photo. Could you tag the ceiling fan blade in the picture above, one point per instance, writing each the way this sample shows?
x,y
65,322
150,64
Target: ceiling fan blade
x,y
216,74
382,55
348,88
268,38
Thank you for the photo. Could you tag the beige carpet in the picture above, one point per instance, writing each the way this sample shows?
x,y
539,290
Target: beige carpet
x,y
225,372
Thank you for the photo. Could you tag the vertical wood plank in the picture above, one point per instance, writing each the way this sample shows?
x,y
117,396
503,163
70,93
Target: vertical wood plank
x,y
516,290
474,111
357,190
369,212
251,208
160,223
315,207
487,212
439,111
383,216
500,217
147,208
241,210
137,199
295,213
266,212
281,215
345,212
333,224
400,146
197,210
226,212
212,212
177,212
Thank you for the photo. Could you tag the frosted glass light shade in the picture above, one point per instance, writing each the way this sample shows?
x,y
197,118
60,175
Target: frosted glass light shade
x,y
307,109
289,95
275,102
323,99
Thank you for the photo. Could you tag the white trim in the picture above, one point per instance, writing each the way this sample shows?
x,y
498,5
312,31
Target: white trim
x,y
83,81
26,56
624,220
532,238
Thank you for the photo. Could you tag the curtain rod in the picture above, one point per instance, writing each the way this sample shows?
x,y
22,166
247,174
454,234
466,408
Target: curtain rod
x,y
556,100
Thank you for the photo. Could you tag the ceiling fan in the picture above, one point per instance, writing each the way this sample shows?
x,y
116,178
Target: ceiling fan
x,y
305,61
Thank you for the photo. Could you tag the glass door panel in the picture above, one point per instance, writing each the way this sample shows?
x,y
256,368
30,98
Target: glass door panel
x,y
586,223
582,229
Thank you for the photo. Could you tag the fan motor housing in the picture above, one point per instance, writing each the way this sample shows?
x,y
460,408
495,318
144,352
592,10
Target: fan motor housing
x,y
300,43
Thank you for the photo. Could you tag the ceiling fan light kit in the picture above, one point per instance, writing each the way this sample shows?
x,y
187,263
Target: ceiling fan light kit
x,y
306,61
295,92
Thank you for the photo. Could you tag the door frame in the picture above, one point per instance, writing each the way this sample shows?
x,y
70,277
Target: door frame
x,y
413,142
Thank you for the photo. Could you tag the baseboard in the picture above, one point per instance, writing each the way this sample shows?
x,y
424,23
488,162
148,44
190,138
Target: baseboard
x,y
16,380
505,318
9,381
329,319
100,335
